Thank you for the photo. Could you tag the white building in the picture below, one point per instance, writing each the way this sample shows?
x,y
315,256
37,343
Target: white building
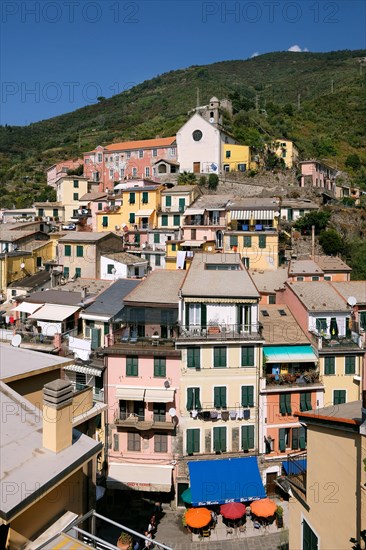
x,y
122,265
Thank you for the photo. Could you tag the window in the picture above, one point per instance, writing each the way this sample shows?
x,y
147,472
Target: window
x,y
339,397
157,260
271,298
182,205
193,358
154,152
116,442
327,277
299,279
350,364
329,365
122,172
309,538
172,151
128,154
283,439
247,242
141,154
39,261
133,441
159,367
193,441
168,200
110,268
174,247
220,397
67,250
219,356
79,251
55,212
242,167
111,173
176,219
66,272
193,399
164,220
41,212
315,278
247,356
285,403
362,319
305,401
233,241
161,443
132,198
246,262
132,217
76,196
132,366
219,440
228,154
156,238
145,197
226,167
76,184
262,241
247,396
321,324
100,206
147,171
105,221
99,157
247,438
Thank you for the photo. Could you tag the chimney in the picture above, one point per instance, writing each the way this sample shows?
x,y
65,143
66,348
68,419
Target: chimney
x,y
57,415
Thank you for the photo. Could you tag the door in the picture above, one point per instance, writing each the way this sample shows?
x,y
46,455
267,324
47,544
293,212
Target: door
x,y
271,487
196,167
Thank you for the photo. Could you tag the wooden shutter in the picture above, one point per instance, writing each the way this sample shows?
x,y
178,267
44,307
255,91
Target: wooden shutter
x,y
193,441
203,315
197,402
145,197
186,307
308,401
302,438
350,364
282,439
247,437
283,409
288,403
217,397
303,406
190,395
247,241
295,438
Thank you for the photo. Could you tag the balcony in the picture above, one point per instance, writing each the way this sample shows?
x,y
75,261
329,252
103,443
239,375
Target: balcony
x,y
217,332
297,472
138,422
338,343
216,222
293,378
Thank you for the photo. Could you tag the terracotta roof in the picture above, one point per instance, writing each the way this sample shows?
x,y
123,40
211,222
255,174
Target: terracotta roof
x,y
304,267
319,296
95,195
331,263
352,288
269,281
345,413
280,326
142,144
160,286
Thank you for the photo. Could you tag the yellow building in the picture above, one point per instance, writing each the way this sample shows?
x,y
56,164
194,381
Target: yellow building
x,y
140,203
341,371
174,202
286,149
179,254
237,158
328,506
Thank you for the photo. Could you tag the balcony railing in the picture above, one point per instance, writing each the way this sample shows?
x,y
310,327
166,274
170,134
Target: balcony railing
x,y
297,471
219,331
296,378
131,420
334,343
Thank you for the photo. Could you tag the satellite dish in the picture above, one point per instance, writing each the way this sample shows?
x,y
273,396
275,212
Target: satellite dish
x,y
22,265
209,249
172,412
352,301
16,340
211,120
276,214
166,384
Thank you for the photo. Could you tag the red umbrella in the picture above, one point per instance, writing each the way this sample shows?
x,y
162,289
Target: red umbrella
x,y
232,510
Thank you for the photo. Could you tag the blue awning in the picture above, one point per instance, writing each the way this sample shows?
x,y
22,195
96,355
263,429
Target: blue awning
x,y
225,480
289,354
294,467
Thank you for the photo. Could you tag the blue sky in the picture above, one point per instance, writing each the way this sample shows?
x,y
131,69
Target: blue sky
x,y
58,55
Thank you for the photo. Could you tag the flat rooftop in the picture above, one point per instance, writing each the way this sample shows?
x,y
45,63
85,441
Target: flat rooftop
x,y
85,236
269,281
160,287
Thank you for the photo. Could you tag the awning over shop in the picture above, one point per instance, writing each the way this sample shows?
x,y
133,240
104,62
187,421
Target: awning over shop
x,y
140,477
293,467
194,212
144,213
26,307
159,395
85,369
252,214
226,480
53,312
130,393
289,354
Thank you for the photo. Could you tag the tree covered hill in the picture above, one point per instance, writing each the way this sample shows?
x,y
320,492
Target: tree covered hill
x,y
316,99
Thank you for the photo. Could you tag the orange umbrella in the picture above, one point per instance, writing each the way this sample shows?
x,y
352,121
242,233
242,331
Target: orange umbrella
x,y
263,508
198,517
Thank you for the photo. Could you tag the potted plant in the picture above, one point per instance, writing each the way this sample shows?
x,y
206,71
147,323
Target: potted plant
x,y
124,541
279,516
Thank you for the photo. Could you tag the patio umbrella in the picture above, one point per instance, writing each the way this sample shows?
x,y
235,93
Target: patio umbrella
x,y
232,510
263,508
186,496
198,517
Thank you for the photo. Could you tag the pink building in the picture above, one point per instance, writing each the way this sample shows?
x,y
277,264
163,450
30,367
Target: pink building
x,y
143,371
318,174
130,159
60,169
205,220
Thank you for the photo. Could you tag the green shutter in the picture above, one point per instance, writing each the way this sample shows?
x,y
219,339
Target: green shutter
x,y
288,403
233,240
66,272
95,338
203,315
67,250
160,367
308,401
247,396
329,365
190,395
247,356
339,397
132,198
131,366
303,406
283,409
219,439
132,217
247,242
295,438
145,197
176,219
168,200
137,238
217,397
193,441
156,238
79,251
247,438
219,357
282,439
262,241
186,308
164,220
193,358
302,438
105,221
182,205
350,367
197,402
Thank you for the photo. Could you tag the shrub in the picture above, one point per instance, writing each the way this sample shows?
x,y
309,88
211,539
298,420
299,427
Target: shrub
x,y
213,182
202,180
331,242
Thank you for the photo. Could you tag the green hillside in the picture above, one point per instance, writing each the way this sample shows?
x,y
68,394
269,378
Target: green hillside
x,y
316,99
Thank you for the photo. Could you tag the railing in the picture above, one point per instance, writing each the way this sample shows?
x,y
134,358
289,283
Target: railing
x,y
338,342
131,416
297,472
297,378
159,417
219,331
130,420
217,222
34,337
